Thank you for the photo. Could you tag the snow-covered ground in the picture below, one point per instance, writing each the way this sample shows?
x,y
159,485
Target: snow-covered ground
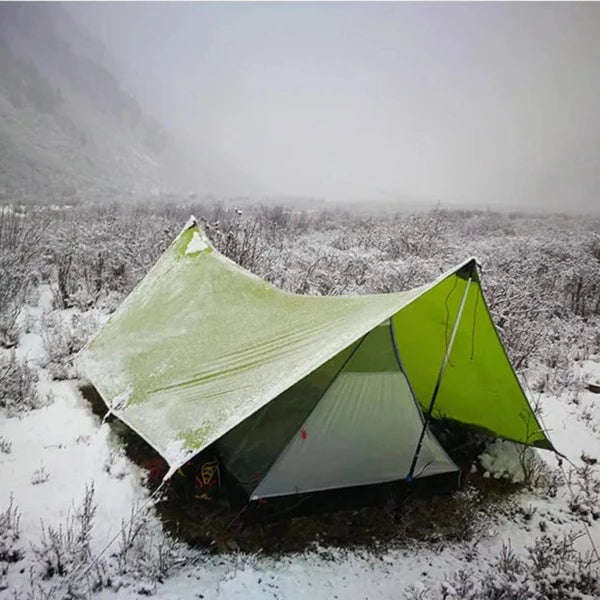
x,y
54,453
58,450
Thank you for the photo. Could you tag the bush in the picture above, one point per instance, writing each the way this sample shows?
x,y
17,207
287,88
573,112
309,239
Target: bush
x,y
120,246
20,242
143,557
63,338
257,243
64,553
144,554
551,569
10,550
5,445
40,475
585,480
18,386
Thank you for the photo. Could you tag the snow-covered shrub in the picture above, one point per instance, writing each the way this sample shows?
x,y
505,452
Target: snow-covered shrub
x,y
104,252
558,380
529,284
65,554
569,342
420,234
40,475
144,554
5,445
551,569
64,336
471,519
19,245
418,591
79,276
518,315
66,566
26,321
582,288
9,533
386,277
459,585
332,273
536,473
550,483
10,550
256,242
18,386
585,482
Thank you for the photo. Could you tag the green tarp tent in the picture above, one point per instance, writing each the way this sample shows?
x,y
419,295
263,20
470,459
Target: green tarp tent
x,y
303,393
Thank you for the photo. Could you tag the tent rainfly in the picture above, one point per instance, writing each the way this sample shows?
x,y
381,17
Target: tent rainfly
x,y
303,393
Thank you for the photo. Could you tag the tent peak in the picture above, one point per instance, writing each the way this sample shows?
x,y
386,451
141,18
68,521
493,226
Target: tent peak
x,y
468,261
190,223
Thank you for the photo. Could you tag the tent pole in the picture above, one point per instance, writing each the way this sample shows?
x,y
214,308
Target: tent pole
x,y
438,383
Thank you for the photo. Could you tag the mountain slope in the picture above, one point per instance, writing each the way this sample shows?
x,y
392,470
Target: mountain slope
x,y
68,128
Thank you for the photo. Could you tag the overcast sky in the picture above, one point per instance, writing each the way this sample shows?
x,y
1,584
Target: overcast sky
x,y
477,102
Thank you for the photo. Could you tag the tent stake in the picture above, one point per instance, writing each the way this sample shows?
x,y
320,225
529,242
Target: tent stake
x,y
438,383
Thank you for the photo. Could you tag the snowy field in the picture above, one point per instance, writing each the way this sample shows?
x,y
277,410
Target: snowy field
x,y
76,520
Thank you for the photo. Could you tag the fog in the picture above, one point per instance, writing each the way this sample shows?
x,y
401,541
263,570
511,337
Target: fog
x,y
477,104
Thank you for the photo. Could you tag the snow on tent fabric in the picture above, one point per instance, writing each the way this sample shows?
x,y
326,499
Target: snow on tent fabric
x,y
302,393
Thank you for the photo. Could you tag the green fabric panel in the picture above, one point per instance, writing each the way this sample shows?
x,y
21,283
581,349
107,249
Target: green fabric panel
x,y
202,344
479,386
376,353
250,448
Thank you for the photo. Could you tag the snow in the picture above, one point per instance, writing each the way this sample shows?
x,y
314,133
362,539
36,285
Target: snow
x,y
121,400
318,574
75,448
176,454
562,419
65,447
191,222
503,459
196,244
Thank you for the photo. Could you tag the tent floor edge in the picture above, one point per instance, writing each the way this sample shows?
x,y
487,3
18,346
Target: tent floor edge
x,y
390,493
